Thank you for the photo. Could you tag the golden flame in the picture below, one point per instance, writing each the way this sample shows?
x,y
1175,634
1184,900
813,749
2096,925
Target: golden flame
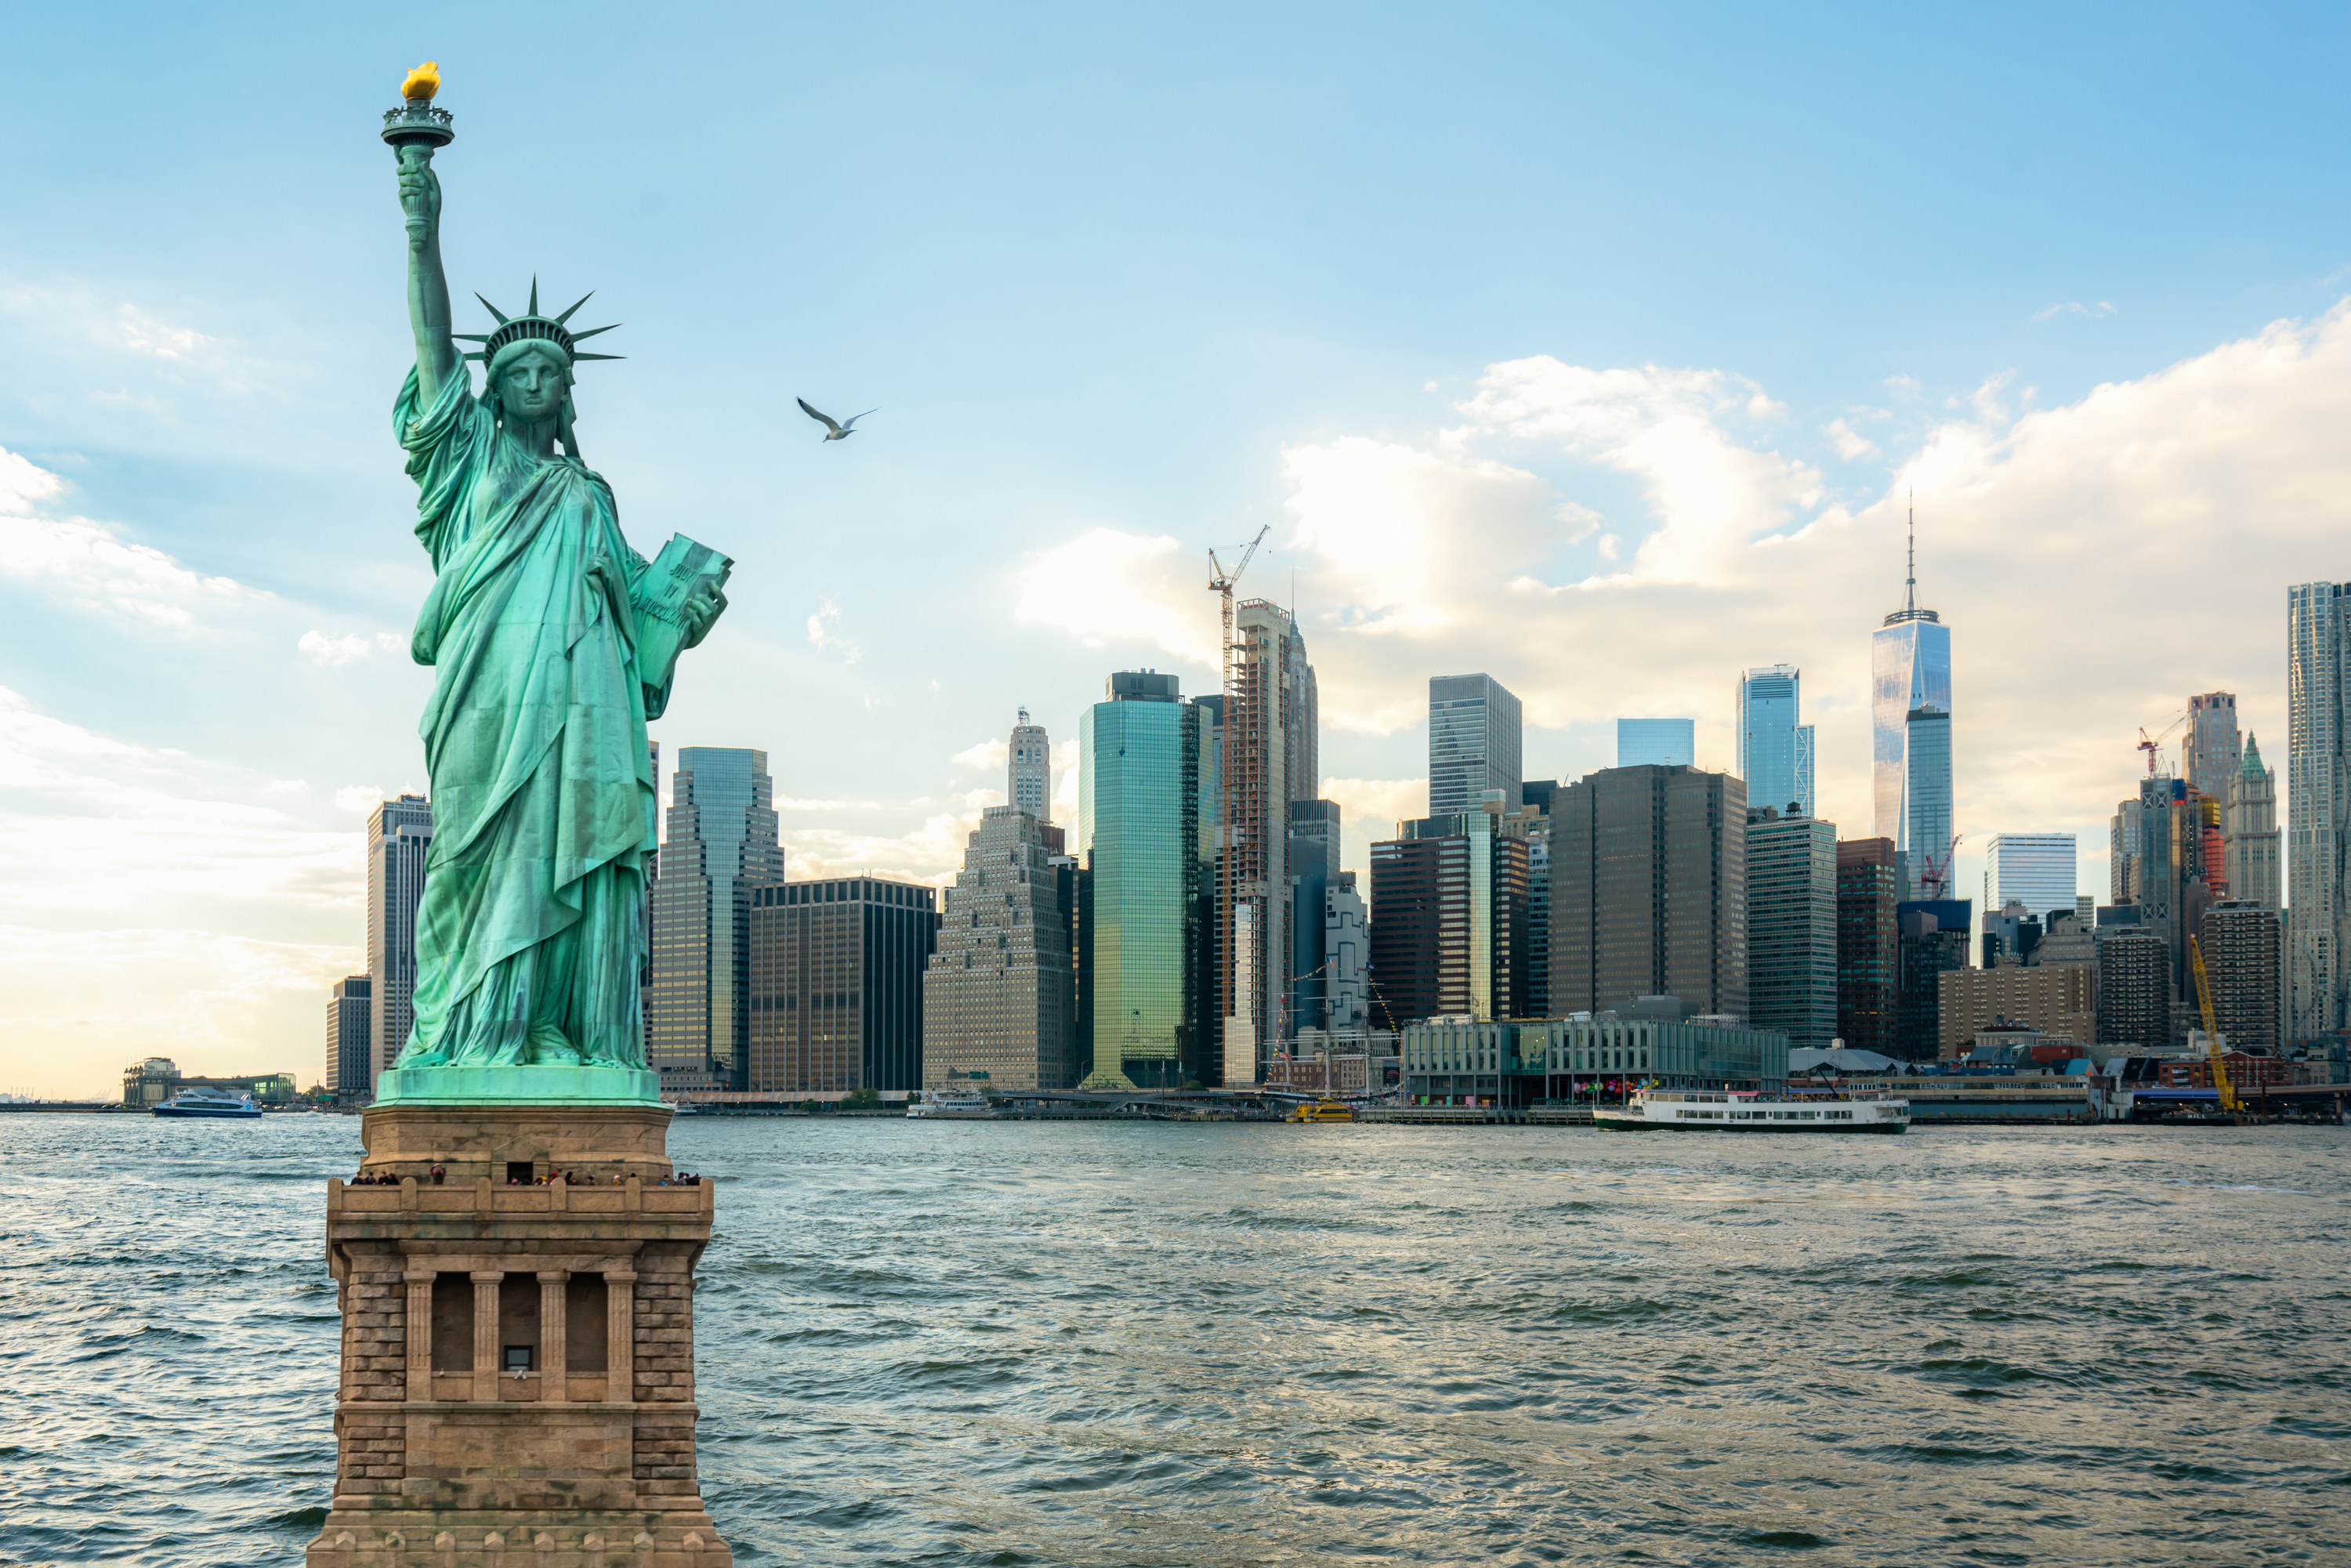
x,y
421,83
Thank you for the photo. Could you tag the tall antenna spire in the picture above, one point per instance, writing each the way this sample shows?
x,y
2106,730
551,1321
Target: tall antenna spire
x,y
1911,582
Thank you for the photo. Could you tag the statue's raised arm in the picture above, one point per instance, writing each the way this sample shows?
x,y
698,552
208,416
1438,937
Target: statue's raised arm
x,y
428,286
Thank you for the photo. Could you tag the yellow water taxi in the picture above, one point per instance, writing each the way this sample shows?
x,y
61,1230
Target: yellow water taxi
x,y
1323,1111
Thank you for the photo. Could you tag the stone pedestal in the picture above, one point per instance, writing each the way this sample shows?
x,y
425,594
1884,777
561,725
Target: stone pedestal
x,y
517,1377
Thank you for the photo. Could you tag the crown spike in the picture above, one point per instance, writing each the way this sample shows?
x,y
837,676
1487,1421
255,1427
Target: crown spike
x,y
591,332
600,356
471,337
583,299
493,310
534,294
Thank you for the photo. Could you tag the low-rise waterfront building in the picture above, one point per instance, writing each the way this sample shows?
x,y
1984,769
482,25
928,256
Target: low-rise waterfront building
x,y
1342,1062
1460,1062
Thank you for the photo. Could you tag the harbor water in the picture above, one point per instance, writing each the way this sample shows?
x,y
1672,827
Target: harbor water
x,y
952,1342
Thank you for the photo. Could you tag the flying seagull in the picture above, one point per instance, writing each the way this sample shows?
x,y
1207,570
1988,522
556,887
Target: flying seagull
x,y
833,429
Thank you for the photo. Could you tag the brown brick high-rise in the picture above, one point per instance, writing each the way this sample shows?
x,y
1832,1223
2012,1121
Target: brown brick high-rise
x,y
518,1377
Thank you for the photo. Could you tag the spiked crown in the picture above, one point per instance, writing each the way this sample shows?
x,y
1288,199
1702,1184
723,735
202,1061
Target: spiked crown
x,y
532,327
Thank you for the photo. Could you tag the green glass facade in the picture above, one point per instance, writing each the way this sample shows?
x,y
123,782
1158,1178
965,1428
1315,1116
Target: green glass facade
x,y
1139,802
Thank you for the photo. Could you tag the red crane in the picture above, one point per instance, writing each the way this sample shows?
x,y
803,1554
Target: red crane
x,y
2149,742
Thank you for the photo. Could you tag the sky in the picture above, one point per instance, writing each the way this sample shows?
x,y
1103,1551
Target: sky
x,y
1598,348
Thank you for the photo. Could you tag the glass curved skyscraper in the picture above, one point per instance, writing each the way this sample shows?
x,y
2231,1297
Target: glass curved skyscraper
x,y
1910,744
1775,751
1139,792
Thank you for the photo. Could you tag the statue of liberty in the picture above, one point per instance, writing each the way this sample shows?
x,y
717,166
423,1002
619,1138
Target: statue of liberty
x,y
552,643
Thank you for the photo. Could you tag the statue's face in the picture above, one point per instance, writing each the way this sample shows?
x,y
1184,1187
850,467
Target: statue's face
x,y
530,386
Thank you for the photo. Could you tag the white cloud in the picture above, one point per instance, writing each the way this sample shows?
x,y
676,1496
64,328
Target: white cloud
x,y
824,636
1674,431
87,565
1107,588
1850,443
322,649
983,756
143,334
361,799
2098,311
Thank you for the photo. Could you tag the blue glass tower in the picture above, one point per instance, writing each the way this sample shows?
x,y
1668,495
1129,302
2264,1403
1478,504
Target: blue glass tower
x,y
1139,777
1775,752
1910,743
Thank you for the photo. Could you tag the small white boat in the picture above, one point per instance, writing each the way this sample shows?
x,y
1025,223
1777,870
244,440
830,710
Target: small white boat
x,y
1717,1110
951,1105
216,1103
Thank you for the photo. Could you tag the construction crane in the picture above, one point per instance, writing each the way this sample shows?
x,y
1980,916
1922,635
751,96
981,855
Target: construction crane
x,y
1935,874
2149,742
1222,583
1228,777
2229,1100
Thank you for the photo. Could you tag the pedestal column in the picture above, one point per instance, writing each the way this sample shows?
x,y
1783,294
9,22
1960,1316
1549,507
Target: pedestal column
x,y
553,1358
619,1333
420,1333
486,1334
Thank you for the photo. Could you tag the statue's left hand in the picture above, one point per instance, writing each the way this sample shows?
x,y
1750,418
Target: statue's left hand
x,y
702,611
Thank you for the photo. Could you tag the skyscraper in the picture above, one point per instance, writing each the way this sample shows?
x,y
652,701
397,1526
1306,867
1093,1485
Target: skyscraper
x,y
1535,818
1775,751
2035,869
347,1038
1345,943
2165,846
721,843
2241,942
1313,858
999,1000
1029,769
2249,831
1930,937
1792,925
1448,919
1911,742
836,980
1649,891
1657,743
2210,749
2318,805
1268,755
1866,951
1473,743
400,842
2134,988
1139,786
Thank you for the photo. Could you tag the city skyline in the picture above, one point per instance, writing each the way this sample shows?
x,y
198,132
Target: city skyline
x,y
1464,470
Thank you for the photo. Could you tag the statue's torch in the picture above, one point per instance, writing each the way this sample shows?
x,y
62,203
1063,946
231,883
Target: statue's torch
x,y
416,123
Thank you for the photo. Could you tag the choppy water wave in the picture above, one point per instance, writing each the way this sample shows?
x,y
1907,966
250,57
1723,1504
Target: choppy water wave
x,y
958,1342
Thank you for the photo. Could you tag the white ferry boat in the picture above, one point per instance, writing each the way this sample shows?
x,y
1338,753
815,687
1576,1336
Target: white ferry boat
x,y
209,1102
1712,1110
951,1105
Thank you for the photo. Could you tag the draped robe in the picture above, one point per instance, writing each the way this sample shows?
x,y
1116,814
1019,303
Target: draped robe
x,y
530,935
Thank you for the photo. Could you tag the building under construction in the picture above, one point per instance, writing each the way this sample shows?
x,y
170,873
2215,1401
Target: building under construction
x,y
1265,749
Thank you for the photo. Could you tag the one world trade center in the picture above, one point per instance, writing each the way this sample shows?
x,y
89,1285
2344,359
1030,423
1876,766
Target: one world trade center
x,y
1910,741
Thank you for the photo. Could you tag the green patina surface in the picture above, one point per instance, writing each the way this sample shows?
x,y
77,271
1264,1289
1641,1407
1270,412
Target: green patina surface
x,y
552,643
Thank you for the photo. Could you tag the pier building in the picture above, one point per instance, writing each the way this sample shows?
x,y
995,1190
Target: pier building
x,y
1460,1061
